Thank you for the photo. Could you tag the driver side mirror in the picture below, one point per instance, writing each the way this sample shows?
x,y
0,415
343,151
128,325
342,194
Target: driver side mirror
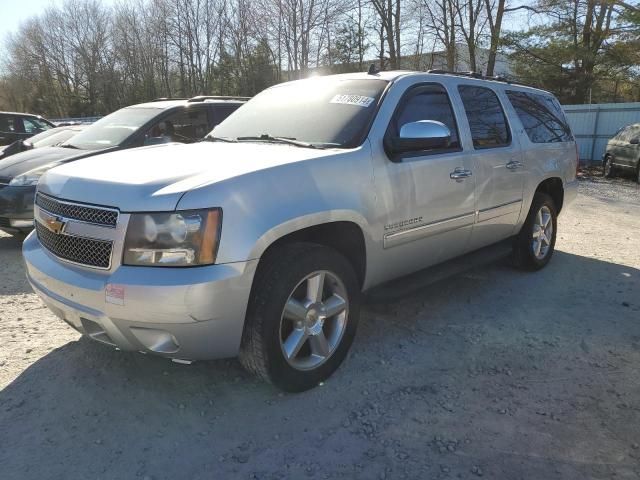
x,y
421,135
634,141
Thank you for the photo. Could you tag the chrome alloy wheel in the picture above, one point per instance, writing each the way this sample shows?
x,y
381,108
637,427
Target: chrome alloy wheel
x,y
314,320
542,232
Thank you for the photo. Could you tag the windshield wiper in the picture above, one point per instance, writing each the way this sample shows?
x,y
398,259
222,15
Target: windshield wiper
x,y
68,145
211,138
291,141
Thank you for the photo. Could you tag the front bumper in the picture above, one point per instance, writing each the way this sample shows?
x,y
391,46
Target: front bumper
x,y
184,313
16,207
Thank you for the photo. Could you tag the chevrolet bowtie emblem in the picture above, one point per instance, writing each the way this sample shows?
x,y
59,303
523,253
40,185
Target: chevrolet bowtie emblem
x,y
53,223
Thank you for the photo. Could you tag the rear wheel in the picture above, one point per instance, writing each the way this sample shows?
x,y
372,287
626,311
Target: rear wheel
x,y
536,241
302,316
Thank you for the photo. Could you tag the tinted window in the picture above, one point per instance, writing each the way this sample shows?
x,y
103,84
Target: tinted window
x,y
6,124
541,116
184,126
9,123
325,111
221,112
429,102
487,120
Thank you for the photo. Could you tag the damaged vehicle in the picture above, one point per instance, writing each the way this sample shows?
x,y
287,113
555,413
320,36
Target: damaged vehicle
x,y
259,242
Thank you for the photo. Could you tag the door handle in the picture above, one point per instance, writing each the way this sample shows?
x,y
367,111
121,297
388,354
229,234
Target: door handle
x,y
514,165
460,173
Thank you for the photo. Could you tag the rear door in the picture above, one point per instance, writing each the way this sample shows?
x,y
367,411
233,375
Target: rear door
x,y
497,165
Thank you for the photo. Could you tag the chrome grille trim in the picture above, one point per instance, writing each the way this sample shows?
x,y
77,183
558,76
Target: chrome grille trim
x,y
103,216
82,251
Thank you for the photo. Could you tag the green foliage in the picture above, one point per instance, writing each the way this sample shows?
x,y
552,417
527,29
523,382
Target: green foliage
x,y
582,50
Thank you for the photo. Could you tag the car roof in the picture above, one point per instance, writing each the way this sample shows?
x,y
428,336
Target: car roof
x,y
162,104
434,75
22,114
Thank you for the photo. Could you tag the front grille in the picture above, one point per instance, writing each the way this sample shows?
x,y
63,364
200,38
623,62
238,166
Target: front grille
x,y
86,251
96,215
4,222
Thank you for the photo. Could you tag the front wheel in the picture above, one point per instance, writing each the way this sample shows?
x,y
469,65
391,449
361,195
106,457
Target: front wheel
x,y
534,245
302,316
608,170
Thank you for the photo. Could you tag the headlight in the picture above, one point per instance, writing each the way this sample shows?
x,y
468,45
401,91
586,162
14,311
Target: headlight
x,y
29,178
173,239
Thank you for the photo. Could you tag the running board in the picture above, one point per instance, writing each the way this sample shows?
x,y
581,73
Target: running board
x,y
407,285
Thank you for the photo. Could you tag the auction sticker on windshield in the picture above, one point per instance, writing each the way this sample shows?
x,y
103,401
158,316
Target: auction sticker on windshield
x,y
359,100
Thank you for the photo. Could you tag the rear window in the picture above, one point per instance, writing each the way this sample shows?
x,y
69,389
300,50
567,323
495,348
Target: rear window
x,y
487,120
541,116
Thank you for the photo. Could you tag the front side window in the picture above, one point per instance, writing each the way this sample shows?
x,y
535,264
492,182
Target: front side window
x,y
33,125
112,130
185,126
487,120
323,112
541,117
427,102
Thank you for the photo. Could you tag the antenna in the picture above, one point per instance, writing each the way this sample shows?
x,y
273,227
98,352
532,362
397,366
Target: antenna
x,y
373,70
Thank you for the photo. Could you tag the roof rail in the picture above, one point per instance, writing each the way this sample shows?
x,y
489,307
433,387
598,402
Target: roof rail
x,y
164,99
202,98
480,76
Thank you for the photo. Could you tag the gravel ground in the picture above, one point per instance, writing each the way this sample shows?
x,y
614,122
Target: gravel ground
x,y
493,373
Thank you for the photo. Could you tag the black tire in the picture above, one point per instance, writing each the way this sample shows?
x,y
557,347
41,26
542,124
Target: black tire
x,y
524,256
608,170
278,275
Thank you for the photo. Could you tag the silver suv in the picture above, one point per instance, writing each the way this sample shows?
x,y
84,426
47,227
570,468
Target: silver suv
x,y
258,242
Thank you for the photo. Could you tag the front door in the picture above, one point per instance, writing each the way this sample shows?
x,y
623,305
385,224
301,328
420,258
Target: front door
x,y
627,152
427,197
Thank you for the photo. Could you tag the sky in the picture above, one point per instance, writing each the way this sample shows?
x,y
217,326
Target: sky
x,y
14,12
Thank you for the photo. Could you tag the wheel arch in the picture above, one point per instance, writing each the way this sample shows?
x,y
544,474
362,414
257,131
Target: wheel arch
x,y
553,187
343,233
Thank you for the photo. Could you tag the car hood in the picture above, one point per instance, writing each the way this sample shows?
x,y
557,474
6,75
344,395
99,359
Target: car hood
x,y
23,162
155,178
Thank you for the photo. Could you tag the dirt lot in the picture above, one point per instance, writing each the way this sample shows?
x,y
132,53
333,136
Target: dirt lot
x,y
492,373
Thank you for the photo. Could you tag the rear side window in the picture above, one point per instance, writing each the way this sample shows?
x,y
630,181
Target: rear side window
x,y
8,124
221,112
487,120
428,102
541,116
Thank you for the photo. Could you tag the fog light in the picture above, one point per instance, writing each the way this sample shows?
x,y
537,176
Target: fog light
x,y
21,223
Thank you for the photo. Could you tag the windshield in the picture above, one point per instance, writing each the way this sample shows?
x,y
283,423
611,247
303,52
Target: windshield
x,y
56,137
324,111
113,129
